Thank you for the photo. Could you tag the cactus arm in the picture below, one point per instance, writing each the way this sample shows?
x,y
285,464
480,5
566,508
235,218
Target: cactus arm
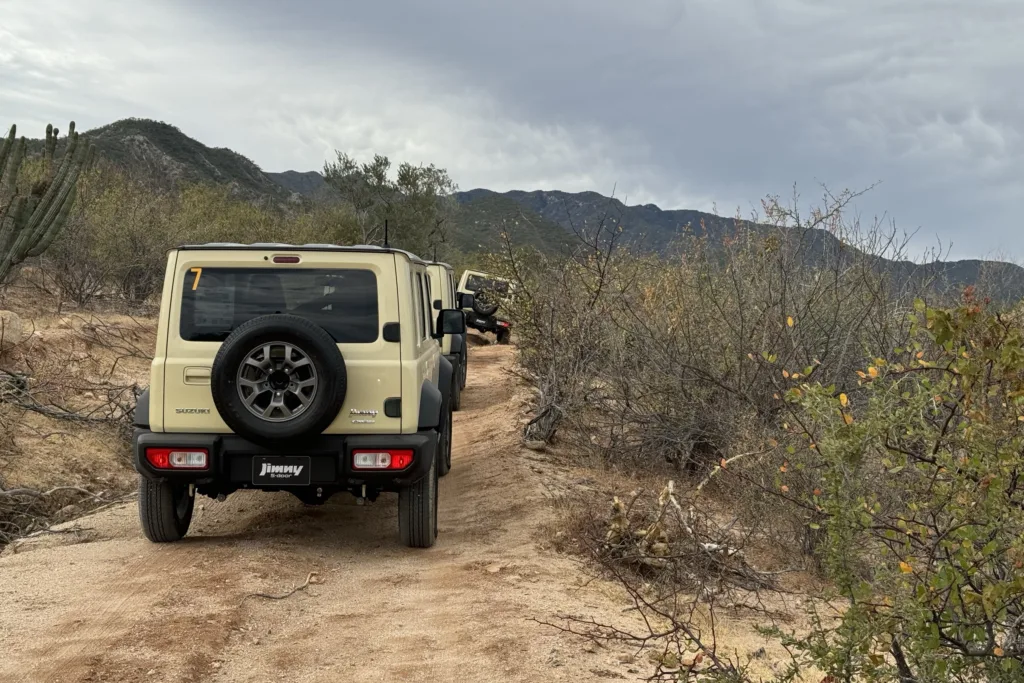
x,y
48,205
48,150
9,222
5,149
55,225
10,227
9,179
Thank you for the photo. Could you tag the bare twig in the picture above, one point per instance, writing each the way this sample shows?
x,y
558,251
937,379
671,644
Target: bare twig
x,y
311,578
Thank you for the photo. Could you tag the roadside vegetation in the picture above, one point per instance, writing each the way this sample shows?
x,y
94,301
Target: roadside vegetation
x,y
828,430
820,425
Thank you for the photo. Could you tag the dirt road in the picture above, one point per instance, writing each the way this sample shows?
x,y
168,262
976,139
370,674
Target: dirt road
x,y
118,608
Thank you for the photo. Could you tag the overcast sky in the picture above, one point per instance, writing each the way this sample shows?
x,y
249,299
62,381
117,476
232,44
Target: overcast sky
x,y
682,103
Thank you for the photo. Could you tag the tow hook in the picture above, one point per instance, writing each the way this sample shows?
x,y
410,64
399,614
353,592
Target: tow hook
x,y
221,497
361,500
319,492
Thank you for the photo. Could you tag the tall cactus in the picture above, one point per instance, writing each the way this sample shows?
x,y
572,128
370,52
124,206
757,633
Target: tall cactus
x,y
30,222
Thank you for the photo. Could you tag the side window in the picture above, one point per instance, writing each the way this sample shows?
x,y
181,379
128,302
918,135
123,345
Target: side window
x,y
429,303
422,314
417,288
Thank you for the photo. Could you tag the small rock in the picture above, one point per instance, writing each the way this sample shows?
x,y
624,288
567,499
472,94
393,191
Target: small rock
x,y
151,672
68,511
535,445
12,331
494,568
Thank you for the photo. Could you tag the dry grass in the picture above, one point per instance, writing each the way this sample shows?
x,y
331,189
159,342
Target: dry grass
x,y
69,429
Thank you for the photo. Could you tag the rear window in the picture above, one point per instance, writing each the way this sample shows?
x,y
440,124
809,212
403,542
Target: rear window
x,y
342,301
476,283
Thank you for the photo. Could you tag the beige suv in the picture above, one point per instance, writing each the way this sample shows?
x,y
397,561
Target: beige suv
x,y
310,369
453,346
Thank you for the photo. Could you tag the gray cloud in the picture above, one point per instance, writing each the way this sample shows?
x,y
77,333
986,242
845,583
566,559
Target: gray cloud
x,y
682,103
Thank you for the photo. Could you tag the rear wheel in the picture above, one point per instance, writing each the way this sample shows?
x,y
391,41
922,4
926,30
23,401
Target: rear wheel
x,y
417,510
503,335
165,510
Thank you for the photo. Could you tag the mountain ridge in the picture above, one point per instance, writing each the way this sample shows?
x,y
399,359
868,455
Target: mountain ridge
x,y
544,219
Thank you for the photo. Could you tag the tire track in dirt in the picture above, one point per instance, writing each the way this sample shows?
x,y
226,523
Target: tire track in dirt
x,y
122,609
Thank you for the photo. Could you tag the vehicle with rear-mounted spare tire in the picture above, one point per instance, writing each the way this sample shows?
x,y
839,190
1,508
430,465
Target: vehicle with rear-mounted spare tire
x,y
313,369
483,298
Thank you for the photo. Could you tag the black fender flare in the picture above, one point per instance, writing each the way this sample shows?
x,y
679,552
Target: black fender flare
x,y
433,399
140,417
458,341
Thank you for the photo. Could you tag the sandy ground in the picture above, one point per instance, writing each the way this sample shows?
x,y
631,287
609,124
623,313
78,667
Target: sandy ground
x,y
106,605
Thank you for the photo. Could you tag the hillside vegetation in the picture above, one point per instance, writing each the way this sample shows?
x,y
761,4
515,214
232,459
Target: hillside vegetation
x,y
823,417
158,154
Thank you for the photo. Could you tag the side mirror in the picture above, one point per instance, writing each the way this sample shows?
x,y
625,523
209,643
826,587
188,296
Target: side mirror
x,y
437,304
465,300
450,321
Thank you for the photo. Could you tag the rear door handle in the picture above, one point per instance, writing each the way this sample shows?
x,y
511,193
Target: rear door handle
x,y
197,375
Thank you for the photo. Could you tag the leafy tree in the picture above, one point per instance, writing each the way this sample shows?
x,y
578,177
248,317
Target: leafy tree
x,y
416,201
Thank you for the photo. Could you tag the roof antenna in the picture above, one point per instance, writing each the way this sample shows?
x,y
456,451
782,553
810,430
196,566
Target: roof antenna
x,y
386,245
435,251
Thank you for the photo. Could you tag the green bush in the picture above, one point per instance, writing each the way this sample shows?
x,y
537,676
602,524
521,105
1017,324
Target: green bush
x,y
922,500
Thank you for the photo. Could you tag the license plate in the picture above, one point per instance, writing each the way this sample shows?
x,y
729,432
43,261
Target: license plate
x,y
278,470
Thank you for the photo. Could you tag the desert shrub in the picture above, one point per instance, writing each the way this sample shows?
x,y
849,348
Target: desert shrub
x,y
922,504
677,359
828,409
115,241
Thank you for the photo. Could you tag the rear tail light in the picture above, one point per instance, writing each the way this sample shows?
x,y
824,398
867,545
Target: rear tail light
x,y
502,323
381,460
178,458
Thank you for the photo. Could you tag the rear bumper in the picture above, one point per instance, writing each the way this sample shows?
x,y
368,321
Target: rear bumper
x,y
486,323
231,460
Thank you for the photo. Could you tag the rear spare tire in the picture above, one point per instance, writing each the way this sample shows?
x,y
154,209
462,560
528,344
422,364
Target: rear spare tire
x,y
278,378
482,304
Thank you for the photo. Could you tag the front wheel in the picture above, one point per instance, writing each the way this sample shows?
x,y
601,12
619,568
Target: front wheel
x,y
417,510
165,510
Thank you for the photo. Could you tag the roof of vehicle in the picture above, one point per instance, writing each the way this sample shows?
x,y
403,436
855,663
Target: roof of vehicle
x,y
487,275
440,263
262,246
